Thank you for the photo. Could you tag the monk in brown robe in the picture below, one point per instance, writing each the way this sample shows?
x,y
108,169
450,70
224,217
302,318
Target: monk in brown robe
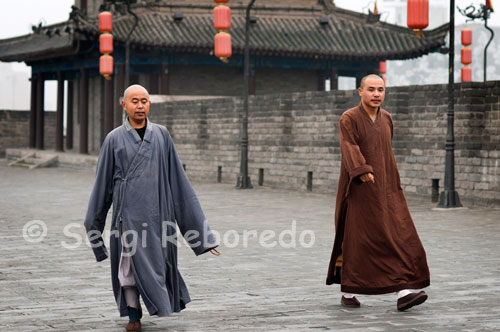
x,y
377,249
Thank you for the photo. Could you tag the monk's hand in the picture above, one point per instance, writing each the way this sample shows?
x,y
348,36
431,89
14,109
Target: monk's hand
x,y
367,177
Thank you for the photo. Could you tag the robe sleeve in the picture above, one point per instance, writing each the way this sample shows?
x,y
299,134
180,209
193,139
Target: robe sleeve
x,y
352,158
391,125
188,212
100,200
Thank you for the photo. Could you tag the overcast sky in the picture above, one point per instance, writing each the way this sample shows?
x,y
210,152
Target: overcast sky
x,y
17,16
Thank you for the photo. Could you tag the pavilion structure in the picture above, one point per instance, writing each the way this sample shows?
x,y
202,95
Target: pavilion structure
x,y
295,45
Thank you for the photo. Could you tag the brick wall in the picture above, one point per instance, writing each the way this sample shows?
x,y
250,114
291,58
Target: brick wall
x,y
14,130
293,134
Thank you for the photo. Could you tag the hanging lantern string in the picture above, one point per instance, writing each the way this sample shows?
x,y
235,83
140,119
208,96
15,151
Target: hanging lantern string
x,y
222,23
106,44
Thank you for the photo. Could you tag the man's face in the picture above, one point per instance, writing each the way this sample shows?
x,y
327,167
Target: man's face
x,y
372,92
136,104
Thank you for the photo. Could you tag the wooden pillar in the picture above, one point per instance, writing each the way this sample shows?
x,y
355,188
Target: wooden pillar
x,y
60,112
108,105
251,83
34,83
39,112
120,88
134,79
164,88
69,117
154,83
334,80
358,81
84,111
321,80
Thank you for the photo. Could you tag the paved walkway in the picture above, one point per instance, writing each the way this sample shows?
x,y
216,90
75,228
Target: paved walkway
x,y
44,286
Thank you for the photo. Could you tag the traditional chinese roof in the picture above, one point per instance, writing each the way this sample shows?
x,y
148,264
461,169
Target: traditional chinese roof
x,y
317,31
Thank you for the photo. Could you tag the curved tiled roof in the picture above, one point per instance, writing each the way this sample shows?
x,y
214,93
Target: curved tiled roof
x,y
346,36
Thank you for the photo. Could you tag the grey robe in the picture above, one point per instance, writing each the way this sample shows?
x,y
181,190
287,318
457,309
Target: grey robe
x,y
145,182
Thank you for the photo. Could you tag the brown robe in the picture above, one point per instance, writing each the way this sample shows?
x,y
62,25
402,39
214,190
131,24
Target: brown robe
x,y
377,249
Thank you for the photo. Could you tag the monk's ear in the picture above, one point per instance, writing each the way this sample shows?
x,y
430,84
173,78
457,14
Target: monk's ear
x,y
359,91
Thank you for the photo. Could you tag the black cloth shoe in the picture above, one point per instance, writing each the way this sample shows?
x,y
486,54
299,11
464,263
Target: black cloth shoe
x,y
411,300
350,303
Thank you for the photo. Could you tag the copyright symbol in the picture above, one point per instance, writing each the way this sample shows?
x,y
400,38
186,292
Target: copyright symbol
x,y
34,231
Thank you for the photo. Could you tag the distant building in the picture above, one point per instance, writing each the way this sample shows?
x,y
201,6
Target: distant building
x,y
295,45
14,89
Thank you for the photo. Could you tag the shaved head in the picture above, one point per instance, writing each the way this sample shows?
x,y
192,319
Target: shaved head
x,y
136,104
374,76
372,92
134,87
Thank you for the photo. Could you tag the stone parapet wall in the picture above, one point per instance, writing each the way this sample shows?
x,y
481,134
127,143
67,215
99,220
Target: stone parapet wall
x,y
14,130
293,134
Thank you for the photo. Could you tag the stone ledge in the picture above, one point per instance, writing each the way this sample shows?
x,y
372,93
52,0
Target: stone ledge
x,y
65,159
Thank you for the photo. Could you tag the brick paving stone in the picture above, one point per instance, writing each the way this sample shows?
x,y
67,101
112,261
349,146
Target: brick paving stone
x,y
44,286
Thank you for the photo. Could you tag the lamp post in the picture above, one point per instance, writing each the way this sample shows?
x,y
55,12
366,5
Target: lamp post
x,y
243,178
418,19
449,197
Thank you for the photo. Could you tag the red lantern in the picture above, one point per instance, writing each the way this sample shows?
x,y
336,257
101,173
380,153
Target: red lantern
x,y
466,74
223,46
105,22
418,16
488,5
106,43
221,1
466,37
382,67
106,65
466,56
222,18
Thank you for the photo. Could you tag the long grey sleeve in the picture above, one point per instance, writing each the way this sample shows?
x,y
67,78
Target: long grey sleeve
x,y
100,200
188,211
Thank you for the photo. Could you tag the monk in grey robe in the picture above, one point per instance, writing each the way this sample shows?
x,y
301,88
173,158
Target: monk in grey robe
x,y
139,172
376,249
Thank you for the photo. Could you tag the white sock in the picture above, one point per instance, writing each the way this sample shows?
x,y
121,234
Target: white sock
x,y
403,293
131,296
348,295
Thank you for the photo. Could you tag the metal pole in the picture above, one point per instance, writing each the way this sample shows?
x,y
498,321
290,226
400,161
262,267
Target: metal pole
x,y
243,178
449,197
486,13
127,45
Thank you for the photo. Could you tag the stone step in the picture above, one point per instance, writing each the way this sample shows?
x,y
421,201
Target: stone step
x,y
22,164
31,161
